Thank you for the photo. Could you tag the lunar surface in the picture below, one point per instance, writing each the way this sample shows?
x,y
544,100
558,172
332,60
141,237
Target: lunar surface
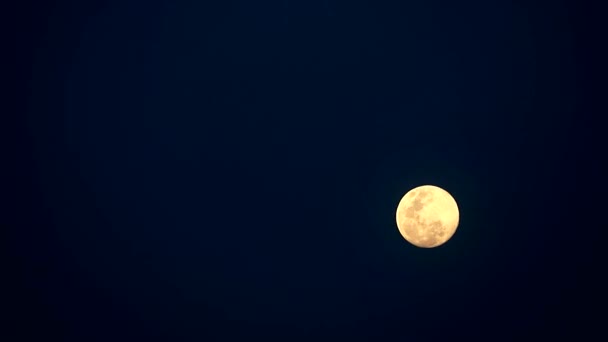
x,y
427,216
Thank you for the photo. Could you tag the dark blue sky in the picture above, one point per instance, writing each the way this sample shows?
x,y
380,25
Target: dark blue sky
x,y
223,171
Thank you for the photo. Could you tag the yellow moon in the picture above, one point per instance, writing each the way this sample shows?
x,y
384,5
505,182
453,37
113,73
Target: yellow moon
x,y
427,216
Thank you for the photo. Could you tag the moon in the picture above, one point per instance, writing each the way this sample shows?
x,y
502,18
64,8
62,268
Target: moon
x,y
427,216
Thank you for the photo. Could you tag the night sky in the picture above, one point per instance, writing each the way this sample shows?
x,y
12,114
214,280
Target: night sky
x,y
230,170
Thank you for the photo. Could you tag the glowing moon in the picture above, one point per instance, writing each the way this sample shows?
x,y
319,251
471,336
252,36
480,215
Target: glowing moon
x,y
427,216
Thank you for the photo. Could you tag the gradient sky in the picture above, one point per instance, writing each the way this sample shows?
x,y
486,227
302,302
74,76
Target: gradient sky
x,y
230,170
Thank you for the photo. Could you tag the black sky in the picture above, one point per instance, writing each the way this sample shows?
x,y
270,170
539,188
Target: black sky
x,y
224,171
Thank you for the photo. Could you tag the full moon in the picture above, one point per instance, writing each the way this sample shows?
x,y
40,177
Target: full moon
x,y
427,216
